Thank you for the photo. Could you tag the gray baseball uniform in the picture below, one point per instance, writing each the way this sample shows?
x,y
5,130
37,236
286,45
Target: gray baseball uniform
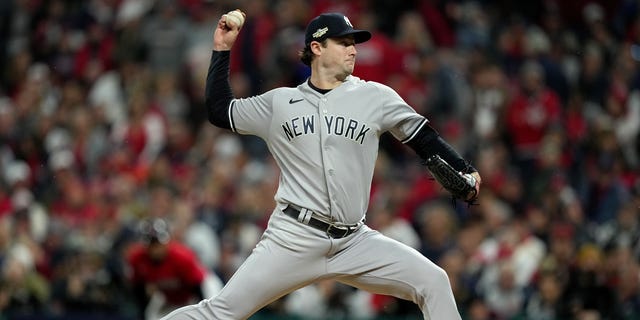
x,y
326,147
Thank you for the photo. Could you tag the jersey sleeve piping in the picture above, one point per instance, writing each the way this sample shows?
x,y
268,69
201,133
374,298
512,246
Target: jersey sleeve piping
x,y
415,131
231,122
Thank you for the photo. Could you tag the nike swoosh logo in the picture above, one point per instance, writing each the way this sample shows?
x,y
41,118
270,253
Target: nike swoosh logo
x,y
291,101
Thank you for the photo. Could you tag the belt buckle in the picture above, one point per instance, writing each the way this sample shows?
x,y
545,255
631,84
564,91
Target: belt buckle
x,y
331,226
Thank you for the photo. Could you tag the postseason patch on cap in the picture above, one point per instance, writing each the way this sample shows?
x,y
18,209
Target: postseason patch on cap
x,y
320,32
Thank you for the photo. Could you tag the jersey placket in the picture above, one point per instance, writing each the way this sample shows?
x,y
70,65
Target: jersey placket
x,y
325,151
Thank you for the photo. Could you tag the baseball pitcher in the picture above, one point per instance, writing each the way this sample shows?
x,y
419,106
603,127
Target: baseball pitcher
x,y
324,135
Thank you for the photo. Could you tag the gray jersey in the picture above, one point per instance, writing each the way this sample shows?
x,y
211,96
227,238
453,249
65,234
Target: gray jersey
x,y
326,145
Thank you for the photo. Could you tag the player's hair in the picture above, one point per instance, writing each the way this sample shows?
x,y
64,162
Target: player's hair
x,y
306,55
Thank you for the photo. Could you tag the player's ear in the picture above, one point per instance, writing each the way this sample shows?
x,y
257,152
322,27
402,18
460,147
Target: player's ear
x,y
315,47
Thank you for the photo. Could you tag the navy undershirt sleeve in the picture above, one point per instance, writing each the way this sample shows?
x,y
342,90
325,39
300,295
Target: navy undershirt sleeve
x,y
218,94
428,142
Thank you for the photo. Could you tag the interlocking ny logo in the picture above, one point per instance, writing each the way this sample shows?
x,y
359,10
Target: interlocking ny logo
x,y
348,22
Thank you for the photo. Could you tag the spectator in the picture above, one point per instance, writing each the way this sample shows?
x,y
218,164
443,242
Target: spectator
x,y
563,246
81,286
375,57
532,112
585,291
604,192
261,53
455,262
165,37
621,231
511,43
512,248
23,291
164,273
593,80
545,300
506,298
411,38
95,57
198,236
172,103
282,49
384,219
622,106
472,25
538,48
30,216
479,310
437,226
489,86
627,296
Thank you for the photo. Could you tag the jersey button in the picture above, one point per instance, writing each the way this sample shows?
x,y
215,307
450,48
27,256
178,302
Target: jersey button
x,y
324,110
330,172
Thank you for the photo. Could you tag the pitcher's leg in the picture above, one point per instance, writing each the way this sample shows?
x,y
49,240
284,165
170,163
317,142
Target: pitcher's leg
x,y
386,266
284,260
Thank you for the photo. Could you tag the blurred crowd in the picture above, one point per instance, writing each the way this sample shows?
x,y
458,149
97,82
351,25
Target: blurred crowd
x,y
103,126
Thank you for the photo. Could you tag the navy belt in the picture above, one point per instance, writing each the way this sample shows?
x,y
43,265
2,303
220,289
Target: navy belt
x,y
332,230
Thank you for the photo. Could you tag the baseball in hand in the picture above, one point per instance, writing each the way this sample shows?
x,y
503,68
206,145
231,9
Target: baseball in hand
x,y
234,19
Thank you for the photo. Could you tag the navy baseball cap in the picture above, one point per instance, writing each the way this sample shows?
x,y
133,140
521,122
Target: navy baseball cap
x,y
332,25
154,230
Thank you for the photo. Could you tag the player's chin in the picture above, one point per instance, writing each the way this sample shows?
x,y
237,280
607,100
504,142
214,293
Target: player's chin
x,y
349,67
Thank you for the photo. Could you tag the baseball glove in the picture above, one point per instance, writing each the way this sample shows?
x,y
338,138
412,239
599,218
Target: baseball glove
x,y
461,186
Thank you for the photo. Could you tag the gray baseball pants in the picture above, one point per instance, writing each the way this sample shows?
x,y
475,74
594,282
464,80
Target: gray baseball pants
x,y
291,255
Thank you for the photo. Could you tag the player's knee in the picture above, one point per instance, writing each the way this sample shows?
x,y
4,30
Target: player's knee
x,y
435,282
435,297
443,279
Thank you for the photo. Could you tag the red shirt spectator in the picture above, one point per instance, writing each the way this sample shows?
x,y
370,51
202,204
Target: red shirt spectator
x,y
95,56
532,112
73,206
378,58
163,267
439,28
176,274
